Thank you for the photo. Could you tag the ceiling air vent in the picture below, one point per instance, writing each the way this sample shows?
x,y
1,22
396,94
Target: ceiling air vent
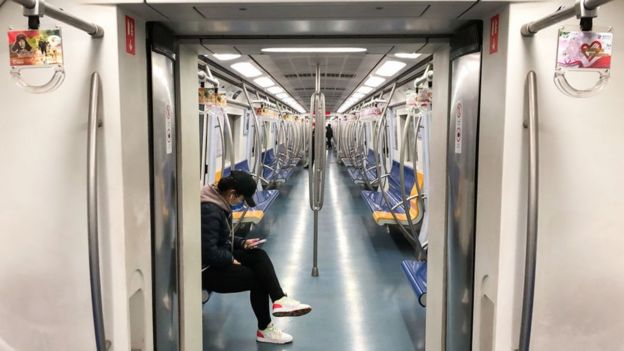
x,y
312,75
326,89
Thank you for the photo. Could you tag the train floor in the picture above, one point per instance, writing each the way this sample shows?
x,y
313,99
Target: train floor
x,y
361,300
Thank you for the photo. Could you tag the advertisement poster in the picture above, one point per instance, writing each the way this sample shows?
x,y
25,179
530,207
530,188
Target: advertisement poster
x,y
584,50
42,47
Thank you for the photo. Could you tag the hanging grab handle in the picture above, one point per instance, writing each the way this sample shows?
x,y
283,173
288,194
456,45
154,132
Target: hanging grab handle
x,y
532,214
561,81
92,213
55,81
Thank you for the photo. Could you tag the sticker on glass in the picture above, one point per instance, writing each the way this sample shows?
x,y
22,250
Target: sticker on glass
x,y
35,48
459,127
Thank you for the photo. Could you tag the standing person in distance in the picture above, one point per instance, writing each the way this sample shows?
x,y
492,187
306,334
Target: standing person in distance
x,y
329,134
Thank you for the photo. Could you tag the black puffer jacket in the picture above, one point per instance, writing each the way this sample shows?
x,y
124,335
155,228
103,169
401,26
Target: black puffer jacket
x,y
215,240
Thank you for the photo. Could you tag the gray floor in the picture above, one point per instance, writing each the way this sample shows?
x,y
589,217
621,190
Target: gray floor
x,y
361,301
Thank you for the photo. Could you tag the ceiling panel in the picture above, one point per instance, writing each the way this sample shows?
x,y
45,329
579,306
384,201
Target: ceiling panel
x,y
340,74
313,18
311,10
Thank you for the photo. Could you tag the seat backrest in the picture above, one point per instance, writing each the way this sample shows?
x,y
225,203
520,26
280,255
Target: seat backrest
x,y
370,158
241,166
268,157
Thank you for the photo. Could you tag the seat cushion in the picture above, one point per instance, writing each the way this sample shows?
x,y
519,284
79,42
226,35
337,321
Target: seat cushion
x,y
416,274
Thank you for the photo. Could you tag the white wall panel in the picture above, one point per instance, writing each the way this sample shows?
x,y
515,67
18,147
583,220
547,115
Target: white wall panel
x,y
436,266
44,282
189,201
579,272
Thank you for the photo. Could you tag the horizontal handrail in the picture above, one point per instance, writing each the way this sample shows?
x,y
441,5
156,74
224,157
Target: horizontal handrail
x,y
531,28
40,8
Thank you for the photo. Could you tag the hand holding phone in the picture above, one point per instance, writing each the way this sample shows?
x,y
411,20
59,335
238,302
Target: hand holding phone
x,y
253,243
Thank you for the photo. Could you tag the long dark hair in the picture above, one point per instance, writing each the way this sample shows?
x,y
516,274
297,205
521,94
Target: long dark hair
x,y
16,46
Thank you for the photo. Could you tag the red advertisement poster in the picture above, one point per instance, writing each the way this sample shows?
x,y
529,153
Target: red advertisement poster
x,y
42,47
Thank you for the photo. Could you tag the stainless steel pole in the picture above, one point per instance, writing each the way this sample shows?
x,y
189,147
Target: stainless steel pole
x,y
92,213
257,169
229,138
204,150
317,169
222,135
49,10
532,215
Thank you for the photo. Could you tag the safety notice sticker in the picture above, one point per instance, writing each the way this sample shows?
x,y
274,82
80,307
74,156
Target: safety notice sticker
x,y
459,127
169,128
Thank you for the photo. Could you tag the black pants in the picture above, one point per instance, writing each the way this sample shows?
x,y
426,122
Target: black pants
x,y
256,274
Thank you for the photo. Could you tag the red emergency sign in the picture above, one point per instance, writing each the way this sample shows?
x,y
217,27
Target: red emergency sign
x,y
130,36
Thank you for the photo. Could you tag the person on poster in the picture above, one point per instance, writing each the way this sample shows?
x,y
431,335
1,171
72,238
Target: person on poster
x,y
21,46
43,46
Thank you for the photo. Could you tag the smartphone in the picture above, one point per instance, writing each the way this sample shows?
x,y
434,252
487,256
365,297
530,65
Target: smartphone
x,y
259,242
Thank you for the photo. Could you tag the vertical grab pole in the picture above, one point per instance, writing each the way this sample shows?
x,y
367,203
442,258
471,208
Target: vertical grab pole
x,y
317,169
222,134
229,138
257,170
204,150
92,214
531,241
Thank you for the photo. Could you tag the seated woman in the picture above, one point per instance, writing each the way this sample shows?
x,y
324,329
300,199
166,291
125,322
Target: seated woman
x,y
233,264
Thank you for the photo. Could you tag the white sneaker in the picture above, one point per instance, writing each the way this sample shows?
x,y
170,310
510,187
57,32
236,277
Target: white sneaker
x,y
273,335
287,307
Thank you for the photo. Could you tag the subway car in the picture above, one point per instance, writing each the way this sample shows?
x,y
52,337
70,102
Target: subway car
x,y
311,175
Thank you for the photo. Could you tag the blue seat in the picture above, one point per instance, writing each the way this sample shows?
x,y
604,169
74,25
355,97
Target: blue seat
x,y
371,173
269,168
382,210
416,273
263,198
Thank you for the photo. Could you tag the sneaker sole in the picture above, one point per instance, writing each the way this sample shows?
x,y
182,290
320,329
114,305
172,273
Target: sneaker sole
x,y
295,313
267,341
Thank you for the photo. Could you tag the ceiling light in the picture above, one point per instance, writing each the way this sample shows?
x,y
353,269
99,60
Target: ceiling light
x,y
246,69
314,50
364,90
406,55
226,57
390,68
357,95
275,90
281,96
264,82
374,81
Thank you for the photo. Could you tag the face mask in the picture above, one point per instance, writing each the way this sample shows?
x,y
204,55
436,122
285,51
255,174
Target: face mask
x,y
238,202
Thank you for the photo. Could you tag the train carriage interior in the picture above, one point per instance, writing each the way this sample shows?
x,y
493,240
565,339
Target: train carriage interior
x,y
427,175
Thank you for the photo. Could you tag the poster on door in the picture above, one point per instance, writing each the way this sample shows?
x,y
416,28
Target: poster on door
x,y
578,50
35,48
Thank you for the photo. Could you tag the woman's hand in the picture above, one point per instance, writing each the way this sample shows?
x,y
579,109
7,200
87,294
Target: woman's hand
x,y
250,243
235,262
